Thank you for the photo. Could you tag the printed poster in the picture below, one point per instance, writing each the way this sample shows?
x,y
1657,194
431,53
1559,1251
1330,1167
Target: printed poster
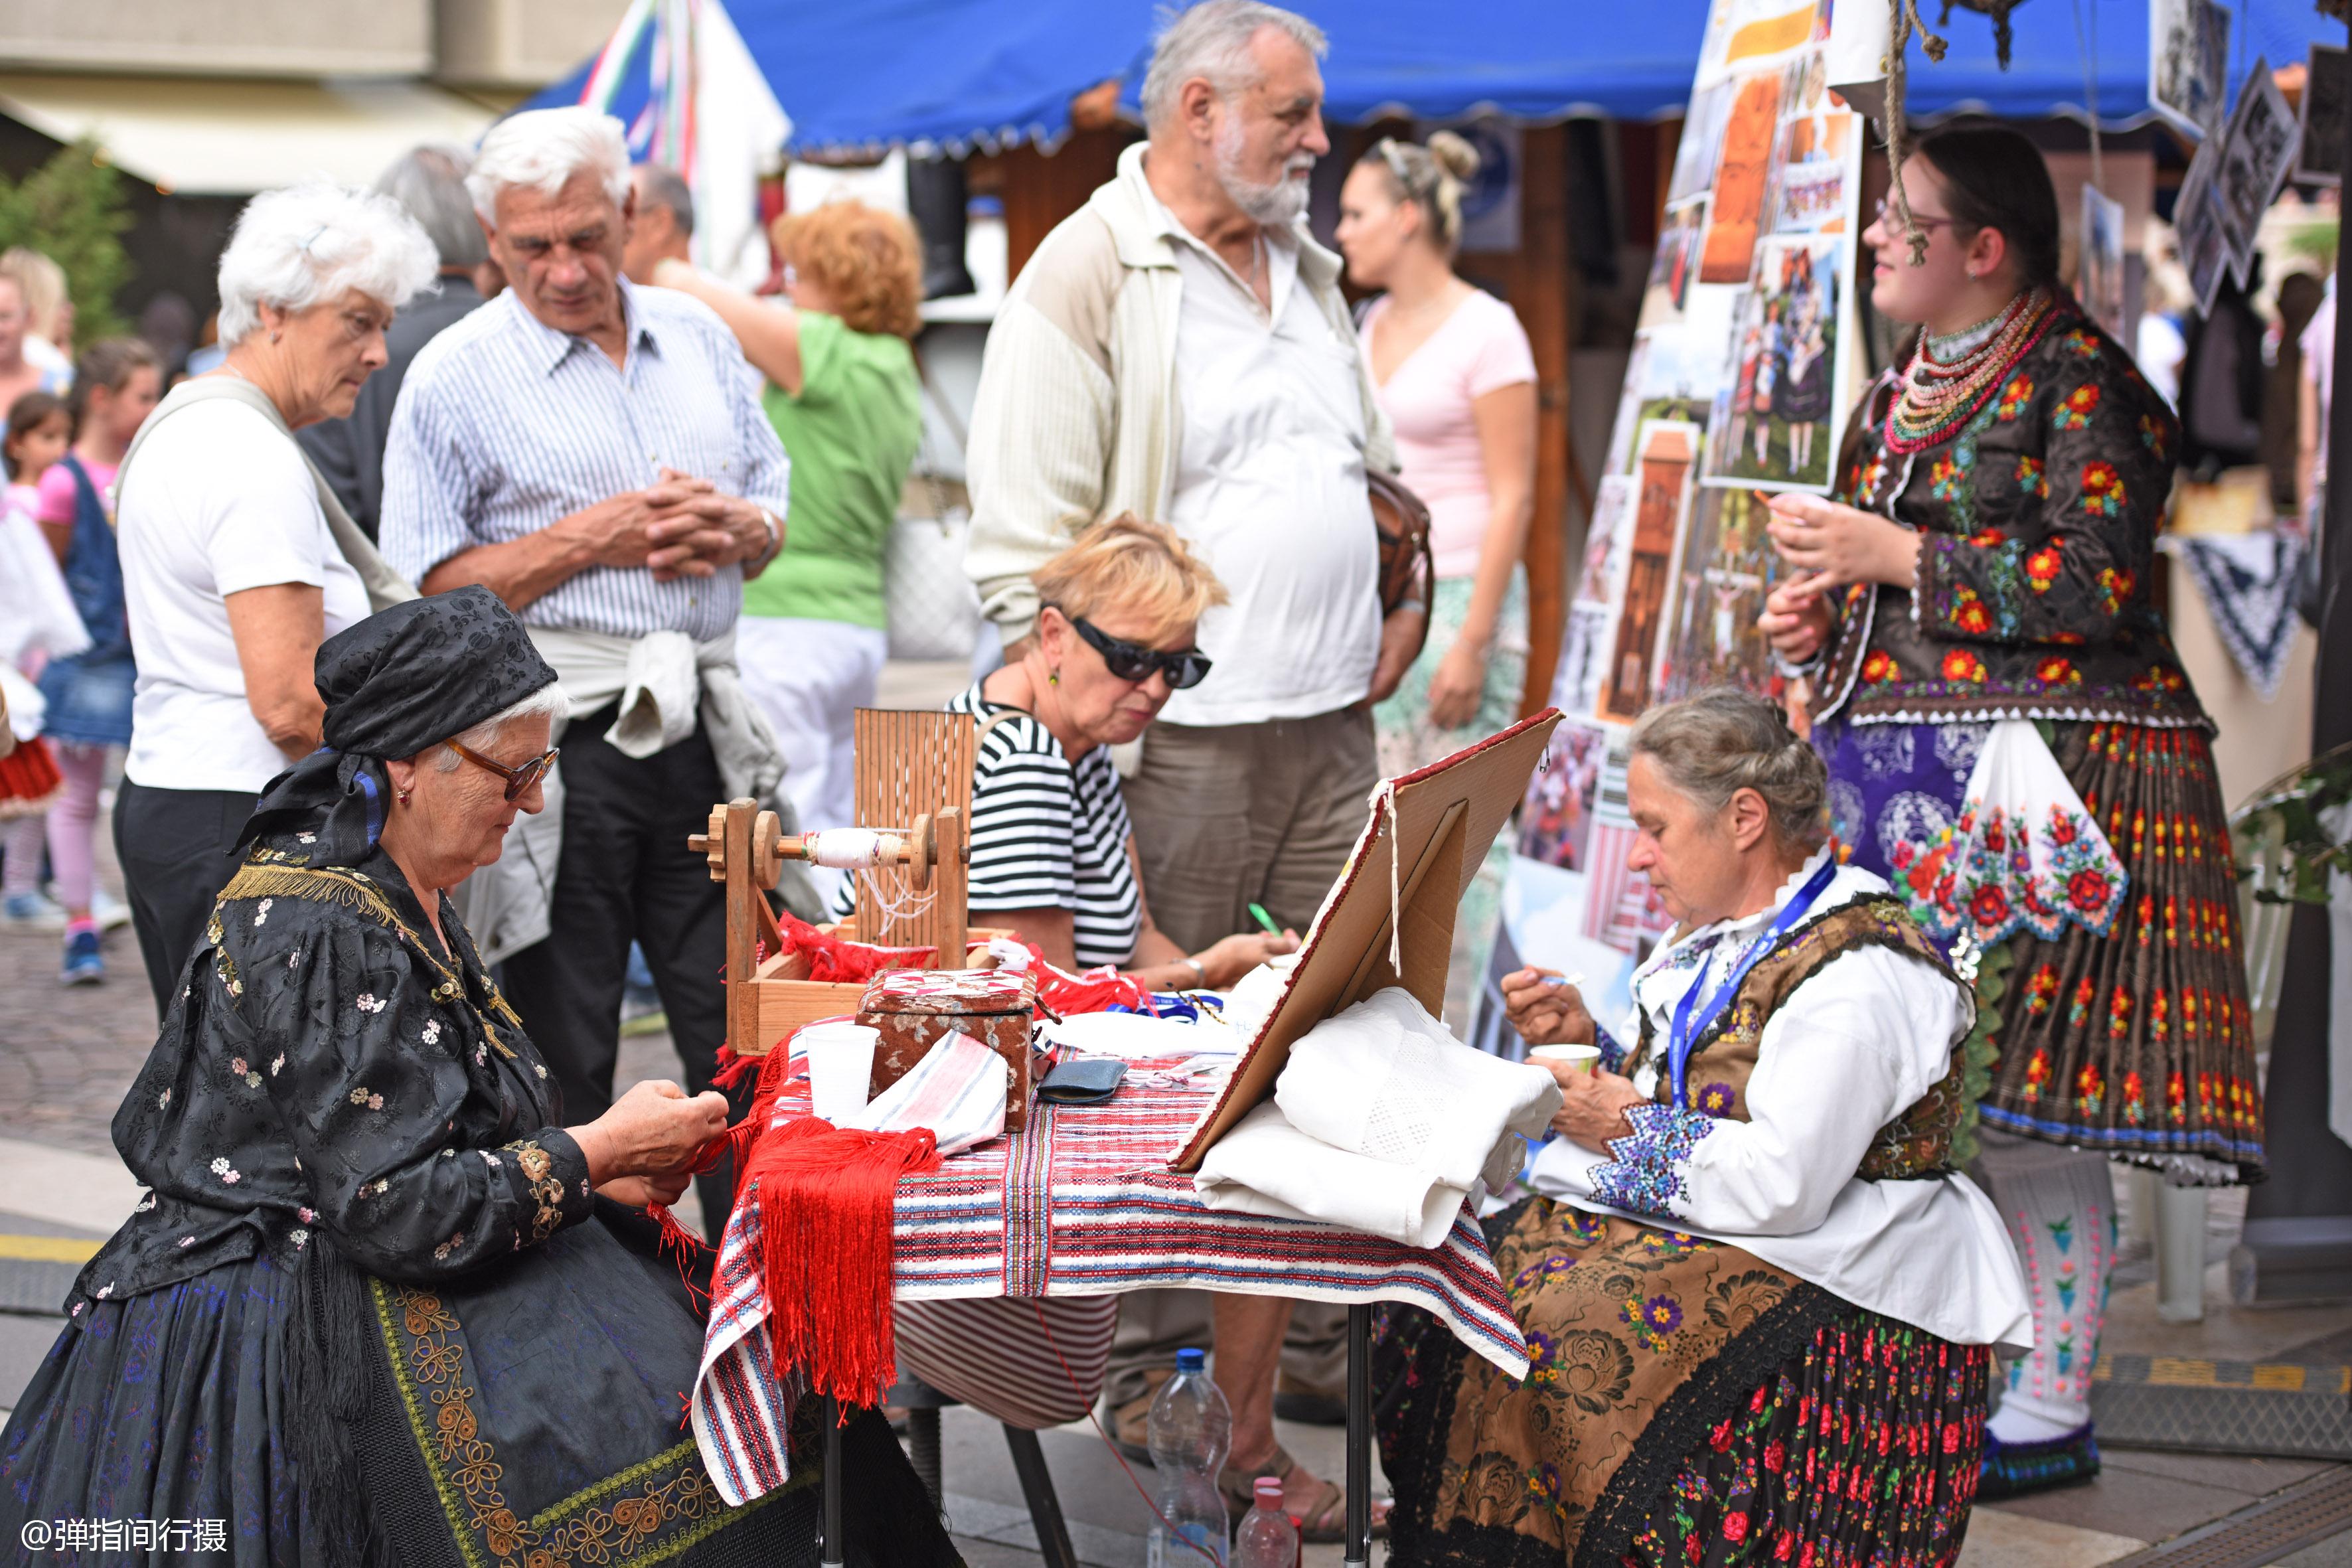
x,y
1736,384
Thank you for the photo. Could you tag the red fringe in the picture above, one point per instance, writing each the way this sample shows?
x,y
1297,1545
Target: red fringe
x,y
826,1197
1098,990
832,958
683,1246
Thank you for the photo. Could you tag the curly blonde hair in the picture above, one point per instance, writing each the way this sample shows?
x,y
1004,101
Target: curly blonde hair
x,y
1127,566
868,260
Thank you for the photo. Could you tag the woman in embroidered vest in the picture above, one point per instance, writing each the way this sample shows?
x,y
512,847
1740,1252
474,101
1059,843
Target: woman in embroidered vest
x,y
368,1239
1759,1299
2012,743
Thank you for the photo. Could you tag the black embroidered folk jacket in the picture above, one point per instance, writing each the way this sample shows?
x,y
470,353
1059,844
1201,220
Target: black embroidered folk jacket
x,y
327,1064
2039,515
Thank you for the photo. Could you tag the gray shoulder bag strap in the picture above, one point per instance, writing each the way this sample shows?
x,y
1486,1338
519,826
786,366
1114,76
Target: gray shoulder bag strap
x,y
385,587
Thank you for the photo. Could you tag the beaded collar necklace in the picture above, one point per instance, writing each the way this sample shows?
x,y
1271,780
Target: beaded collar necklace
x,y
1938,396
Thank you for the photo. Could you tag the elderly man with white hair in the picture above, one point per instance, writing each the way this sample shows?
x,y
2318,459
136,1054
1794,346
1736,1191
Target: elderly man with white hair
x,y
595,453
1179,348
238,560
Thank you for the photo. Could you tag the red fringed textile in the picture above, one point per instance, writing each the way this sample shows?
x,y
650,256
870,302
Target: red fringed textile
x,y
1098,990
832,958
826,1197
683,1246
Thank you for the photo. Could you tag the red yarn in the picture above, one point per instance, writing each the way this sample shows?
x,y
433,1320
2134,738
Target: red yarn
x,y
826,1197
1098,990
732,1068
832,958
684,1246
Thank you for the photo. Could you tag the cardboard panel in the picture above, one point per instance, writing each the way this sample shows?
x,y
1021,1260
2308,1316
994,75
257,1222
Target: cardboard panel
x,y
1415,859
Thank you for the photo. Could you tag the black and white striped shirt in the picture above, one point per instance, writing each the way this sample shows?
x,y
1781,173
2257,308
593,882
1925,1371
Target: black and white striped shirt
x,y
1049,833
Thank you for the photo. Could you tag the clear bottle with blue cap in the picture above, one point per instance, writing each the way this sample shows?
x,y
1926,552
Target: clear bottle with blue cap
x,y
1192,1431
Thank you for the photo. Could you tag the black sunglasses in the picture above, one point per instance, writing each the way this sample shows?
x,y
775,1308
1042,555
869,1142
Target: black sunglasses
x,y
518,779
1133,662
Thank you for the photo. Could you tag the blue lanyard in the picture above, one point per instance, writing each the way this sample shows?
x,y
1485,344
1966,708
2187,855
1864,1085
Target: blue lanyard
x,y
1686,1029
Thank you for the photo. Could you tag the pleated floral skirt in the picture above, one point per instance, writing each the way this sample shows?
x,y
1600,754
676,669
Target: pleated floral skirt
x,y
2137,1043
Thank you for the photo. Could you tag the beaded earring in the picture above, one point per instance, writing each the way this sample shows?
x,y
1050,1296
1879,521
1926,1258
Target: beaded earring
x,y
1053,677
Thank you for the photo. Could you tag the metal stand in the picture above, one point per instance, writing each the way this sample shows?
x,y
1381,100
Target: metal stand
x,y
1037,1490
1358,1548
2180,1253
830,1414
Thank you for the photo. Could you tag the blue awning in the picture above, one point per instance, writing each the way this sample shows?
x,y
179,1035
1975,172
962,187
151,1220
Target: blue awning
x,y
958,74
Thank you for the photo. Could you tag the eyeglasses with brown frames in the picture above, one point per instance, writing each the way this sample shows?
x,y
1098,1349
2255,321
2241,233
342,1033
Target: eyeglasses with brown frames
x,y
518,779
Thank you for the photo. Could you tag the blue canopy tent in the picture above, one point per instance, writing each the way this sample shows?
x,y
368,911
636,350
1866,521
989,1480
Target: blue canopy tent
x,y
956,74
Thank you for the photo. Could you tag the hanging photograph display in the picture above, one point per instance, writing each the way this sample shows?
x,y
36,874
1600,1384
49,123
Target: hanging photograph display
x,y
2256,153
2101,288
2188,63
1737,383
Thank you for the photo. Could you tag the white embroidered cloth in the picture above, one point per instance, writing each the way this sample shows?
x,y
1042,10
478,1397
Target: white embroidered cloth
x,y
2024,855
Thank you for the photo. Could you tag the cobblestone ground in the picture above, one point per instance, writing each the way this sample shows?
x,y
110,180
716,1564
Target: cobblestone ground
x,y
66,1055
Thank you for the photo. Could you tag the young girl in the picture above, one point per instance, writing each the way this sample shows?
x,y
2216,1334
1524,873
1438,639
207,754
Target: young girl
x,y
115,388
38,430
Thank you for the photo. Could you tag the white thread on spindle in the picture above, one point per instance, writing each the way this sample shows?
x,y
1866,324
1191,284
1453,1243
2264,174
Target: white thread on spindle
x,y
910,906
852,848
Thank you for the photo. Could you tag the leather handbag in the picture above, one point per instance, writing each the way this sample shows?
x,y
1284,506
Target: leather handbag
x,y
1408,566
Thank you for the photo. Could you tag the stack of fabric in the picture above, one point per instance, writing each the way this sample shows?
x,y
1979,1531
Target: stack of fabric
x,y
1382,1123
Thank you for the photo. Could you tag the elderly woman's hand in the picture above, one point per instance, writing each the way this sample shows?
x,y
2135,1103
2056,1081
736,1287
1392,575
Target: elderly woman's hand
x,y
1546,1010
1593,1107
642,1192
654,1129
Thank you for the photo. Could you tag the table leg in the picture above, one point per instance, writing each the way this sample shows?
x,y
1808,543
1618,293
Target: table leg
x,y
1358,1548
1044,1506
831,1485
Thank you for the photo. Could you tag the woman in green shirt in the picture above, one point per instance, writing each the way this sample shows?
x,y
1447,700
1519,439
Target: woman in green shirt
x,y
843,395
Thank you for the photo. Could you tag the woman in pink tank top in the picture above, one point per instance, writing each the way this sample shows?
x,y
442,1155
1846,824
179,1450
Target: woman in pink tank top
x,y
1453,372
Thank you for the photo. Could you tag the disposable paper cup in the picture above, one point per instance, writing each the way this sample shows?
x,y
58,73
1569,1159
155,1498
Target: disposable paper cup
x,y
840,1066
1576,1058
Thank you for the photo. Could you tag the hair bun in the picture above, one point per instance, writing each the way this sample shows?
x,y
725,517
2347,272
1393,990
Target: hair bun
x,y
1454,154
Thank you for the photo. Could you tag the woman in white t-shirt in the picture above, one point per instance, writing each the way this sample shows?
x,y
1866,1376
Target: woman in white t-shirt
x,y
230,574
1452,370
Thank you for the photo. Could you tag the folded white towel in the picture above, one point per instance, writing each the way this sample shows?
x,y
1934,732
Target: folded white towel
x,y
1386,1080
1265,1166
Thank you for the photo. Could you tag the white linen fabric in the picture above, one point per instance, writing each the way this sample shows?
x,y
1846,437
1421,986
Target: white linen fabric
x,y
1381,1121
218,500
958,1090
1853,1046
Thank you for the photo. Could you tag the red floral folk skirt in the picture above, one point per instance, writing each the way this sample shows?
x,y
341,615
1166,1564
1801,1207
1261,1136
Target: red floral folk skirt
x,y
1688,1404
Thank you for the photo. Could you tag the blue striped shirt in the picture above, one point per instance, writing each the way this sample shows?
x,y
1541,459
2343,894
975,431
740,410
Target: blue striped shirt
x,y
505,425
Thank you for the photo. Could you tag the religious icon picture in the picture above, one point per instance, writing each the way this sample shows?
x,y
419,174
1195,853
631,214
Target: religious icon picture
x,y
1777,413
2100,272
2188,63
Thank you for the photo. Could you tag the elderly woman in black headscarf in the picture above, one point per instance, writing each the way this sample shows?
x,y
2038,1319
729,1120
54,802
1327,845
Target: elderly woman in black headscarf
x,y
367,1239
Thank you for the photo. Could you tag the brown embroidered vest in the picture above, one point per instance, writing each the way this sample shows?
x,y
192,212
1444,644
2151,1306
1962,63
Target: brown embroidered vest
x,y
1917,1143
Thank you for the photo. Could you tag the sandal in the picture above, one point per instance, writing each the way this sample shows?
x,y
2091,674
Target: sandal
x,y
1324,1521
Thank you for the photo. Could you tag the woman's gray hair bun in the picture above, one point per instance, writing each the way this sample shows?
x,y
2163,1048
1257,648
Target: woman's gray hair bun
x,y
1430,177
1713,746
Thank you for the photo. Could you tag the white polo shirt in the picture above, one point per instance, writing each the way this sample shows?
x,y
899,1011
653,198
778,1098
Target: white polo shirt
x,y
1270,489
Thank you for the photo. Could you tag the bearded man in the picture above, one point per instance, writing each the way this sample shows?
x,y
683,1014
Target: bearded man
x,y
1179,348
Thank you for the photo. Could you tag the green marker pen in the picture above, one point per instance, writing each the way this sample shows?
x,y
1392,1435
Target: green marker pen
x,y
1257,913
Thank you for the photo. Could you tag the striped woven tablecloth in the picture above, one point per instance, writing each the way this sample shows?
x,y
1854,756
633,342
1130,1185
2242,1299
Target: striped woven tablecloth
x,y
1080,1203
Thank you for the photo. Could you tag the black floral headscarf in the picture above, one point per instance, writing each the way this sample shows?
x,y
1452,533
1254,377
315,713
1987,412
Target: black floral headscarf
x,y
403,679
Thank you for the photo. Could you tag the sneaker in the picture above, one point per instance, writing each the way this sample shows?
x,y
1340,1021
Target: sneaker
x,y
84,964
32,912
111,912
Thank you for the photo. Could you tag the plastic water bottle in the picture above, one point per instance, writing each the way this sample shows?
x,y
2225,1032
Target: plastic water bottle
x,y
1266,1539
1191,1430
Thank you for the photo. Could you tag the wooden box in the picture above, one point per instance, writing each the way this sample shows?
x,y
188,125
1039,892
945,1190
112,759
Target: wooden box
x,y
915,1009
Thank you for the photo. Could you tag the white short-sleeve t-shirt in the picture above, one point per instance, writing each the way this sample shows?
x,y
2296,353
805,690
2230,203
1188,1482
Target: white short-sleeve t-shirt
x,y
218,502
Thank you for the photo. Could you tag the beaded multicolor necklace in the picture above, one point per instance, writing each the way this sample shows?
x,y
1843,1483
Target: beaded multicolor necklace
x,y
1939,396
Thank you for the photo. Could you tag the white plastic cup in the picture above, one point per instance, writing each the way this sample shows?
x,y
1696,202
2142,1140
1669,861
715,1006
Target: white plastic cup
x,y
840,1066
1576,1058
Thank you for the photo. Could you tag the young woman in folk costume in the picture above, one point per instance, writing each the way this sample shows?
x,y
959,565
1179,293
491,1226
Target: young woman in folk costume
x,y
2011,740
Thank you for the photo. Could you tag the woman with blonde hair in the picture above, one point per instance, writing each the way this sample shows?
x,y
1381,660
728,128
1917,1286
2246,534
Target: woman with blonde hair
x,y
1053,855
845,398
1451,367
